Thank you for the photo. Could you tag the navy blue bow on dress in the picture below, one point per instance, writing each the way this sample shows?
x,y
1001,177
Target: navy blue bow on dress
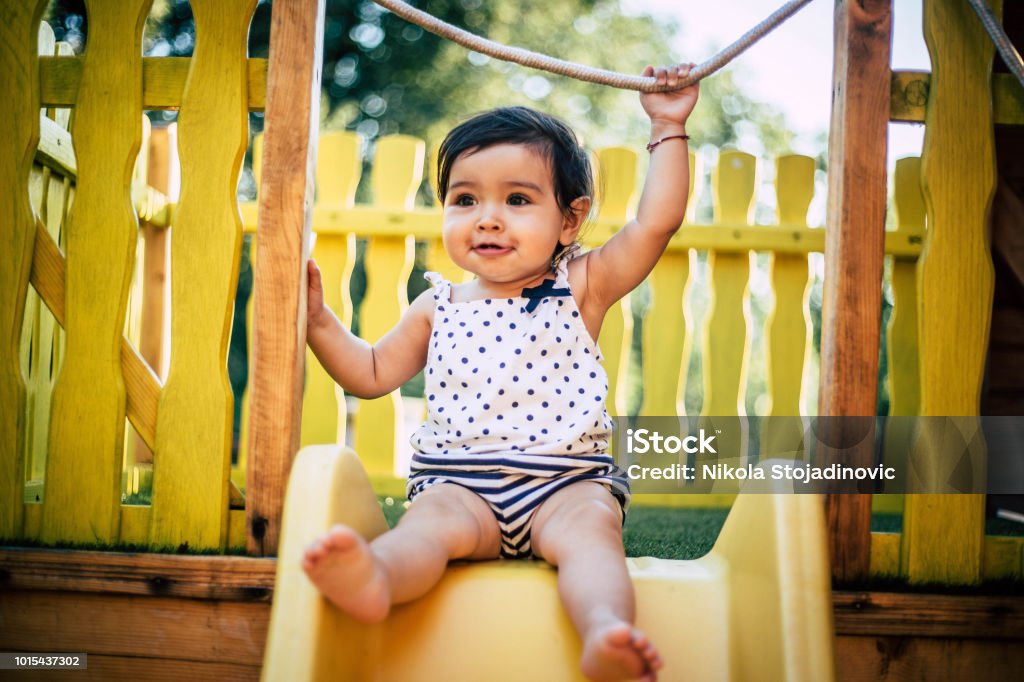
x,y
542,290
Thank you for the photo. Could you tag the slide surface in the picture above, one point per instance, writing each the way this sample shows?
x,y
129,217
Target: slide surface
x,y
757,607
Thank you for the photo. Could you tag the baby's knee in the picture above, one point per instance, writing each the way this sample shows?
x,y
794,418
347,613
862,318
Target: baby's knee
x,y
457,518
591,520
592,516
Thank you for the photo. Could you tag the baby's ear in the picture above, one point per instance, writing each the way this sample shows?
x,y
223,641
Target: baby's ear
x,y
580,209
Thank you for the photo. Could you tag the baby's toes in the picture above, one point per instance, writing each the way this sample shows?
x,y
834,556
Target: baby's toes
x,y
339,538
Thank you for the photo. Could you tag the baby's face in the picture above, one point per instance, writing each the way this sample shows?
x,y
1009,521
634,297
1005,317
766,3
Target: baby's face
x,y
501,220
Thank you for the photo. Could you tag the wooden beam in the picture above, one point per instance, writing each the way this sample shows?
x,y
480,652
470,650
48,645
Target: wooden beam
x,y
425,224
166,575
910,98
163,81
865,657
149,628
279,324
142,386
854,244
928,615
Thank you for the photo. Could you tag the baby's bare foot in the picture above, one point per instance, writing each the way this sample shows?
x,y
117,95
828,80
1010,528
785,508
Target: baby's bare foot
x,y
619,652
341,566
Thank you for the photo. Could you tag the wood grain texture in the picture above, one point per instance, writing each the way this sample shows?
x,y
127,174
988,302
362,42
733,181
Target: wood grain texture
x,y
19,36
943,535
928,615
279,322
143,626
166,575
192,458
83,469
854,247
919,658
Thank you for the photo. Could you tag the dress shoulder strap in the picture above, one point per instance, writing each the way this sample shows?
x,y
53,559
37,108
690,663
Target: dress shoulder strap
x,y
562,265
442,287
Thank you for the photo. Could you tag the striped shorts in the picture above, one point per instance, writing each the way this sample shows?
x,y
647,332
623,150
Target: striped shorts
x,y
515,489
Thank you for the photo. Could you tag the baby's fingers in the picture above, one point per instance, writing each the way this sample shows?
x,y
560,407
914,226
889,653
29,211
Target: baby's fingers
x,y
313,272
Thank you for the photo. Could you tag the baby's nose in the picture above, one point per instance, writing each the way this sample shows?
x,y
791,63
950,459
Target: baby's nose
x,y
488,221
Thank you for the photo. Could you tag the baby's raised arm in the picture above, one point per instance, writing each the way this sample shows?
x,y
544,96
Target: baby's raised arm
x,y
622,263
362,369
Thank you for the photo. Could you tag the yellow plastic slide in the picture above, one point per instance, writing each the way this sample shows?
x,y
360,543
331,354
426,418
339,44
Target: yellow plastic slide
x,y
757,607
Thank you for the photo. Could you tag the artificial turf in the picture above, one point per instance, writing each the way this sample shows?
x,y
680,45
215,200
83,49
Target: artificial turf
x,y
671,533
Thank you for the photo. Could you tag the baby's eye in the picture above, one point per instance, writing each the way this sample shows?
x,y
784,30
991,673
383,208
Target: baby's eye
x,y
518,200
464,200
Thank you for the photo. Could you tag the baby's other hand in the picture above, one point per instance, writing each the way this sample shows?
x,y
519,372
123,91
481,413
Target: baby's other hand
x,y
314,294
672,106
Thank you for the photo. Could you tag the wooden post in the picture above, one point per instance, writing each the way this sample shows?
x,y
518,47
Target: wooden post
x,y
854,251
283,228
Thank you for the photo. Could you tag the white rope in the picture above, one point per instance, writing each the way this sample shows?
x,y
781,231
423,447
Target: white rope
x,y
579,71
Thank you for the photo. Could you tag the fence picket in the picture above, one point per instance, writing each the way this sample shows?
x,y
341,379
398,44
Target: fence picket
x,y
788,327
944,535
616,178
725,361
397,173
667,334
19,35
902,349
83,469
238,471
193,434
904,383
339,166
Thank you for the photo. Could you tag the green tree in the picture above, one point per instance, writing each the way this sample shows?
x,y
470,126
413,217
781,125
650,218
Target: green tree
x,y
382,75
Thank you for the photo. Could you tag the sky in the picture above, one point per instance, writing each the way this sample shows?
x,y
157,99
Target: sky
x,y
790,68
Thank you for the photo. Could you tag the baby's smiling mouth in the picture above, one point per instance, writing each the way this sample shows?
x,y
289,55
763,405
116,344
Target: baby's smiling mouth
x,y
492,249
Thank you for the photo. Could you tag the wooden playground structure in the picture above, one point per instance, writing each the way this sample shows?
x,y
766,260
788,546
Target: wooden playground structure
x,y
90,403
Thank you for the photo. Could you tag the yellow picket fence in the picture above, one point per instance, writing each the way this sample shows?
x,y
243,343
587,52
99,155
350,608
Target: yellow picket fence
x,y
720,259
68,393
71,378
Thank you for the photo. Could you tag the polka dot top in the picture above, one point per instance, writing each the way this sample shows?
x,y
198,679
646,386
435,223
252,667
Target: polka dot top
x,y
512,376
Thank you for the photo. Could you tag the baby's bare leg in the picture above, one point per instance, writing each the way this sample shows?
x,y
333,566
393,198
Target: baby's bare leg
x,y
579,530
365,579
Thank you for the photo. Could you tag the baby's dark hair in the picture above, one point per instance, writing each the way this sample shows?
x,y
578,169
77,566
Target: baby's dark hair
x,y
570,167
